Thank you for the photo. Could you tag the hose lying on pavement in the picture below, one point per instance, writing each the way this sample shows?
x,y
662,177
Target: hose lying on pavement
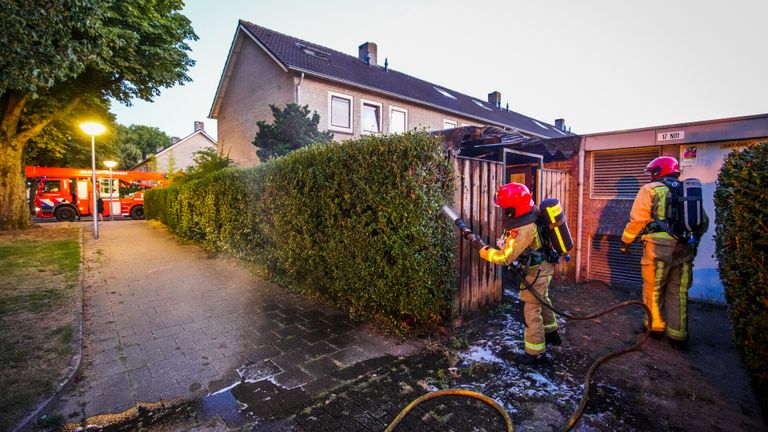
x,y
587,379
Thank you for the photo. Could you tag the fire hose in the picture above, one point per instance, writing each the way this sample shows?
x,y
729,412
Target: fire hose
x,y
477,241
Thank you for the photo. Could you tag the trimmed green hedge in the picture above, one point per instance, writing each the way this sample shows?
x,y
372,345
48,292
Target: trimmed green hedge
x,y
357,222
741,207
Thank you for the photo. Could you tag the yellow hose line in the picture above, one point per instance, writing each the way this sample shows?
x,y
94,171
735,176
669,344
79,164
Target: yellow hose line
x,y
450,392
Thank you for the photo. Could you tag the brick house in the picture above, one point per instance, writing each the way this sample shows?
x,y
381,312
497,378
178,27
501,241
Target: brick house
x,y
352,95
613,174
179,154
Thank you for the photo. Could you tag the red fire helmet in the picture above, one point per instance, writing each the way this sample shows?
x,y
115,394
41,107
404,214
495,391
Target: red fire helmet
x,y
662,166
514,198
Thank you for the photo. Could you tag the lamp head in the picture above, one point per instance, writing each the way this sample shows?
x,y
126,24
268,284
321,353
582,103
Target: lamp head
x,y
92,128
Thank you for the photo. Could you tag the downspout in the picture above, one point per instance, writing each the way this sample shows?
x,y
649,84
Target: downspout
x,y
580,215
298,89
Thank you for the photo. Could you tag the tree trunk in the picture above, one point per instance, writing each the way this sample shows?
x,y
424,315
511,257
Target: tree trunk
x,y
14,207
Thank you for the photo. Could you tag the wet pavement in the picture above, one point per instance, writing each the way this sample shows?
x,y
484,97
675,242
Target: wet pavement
x,y
164,320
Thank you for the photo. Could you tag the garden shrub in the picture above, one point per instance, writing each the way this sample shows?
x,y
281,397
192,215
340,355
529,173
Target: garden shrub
x,y
357,222
742,248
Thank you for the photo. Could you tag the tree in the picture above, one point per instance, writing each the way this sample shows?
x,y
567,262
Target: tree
x,y
65,59
146,139
207,161
293,127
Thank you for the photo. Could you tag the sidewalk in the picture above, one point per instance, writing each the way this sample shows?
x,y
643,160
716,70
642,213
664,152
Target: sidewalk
x,y
162,321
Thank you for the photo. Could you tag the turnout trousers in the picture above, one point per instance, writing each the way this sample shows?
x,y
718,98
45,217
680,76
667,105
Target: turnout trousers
x,y
667,267
538,319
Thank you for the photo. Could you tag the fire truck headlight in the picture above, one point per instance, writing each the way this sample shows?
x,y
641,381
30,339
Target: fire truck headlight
x,y
37,209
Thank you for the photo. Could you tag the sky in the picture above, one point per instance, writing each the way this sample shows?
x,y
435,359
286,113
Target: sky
x,y
602,65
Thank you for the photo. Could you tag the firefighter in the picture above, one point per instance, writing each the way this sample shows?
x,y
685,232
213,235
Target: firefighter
x,y
522,243
667,263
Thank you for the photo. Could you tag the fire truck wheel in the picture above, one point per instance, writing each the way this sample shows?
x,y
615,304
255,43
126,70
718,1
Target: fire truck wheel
x,y
65,214
137,212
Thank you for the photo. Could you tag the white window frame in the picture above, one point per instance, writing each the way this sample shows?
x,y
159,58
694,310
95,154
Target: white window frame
x,y
364,102
402,110
449,121
351,100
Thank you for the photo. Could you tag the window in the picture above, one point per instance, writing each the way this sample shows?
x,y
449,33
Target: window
x,y
449,124
312,51
444,92
371,116
51,186
618,174
481,105
340,107
398,120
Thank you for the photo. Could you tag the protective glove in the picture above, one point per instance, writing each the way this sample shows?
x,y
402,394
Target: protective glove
x,y
625,249
477,242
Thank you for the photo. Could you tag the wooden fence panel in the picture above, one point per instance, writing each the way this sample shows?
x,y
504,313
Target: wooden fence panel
x,y
479,282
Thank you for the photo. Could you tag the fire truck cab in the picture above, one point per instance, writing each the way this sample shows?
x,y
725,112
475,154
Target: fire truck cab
x,y
67,193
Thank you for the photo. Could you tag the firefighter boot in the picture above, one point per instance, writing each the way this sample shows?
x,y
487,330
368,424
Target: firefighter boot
x,y
526,359
553,338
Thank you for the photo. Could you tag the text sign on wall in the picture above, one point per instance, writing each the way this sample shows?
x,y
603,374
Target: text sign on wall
x,y
670,136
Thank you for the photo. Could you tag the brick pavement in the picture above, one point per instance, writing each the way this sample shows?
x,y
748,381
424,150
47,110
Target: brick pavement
x,y
164,320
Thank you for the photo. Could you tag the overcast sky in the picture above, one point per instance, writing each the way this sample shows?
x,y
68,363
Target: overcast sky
x,y
600,64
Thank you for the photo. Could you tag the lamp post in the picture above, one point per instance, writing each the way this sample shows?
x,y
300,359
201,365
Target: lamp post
x,y
93,128
110,164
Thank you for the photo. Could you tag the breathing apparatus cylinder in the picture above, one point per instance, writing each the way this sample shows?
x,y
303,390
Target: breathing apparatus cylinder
x,y
557,227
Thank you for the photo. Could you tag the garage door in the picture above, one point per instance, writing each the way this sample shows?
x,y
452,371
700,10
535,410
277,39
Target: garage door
x,y
609,265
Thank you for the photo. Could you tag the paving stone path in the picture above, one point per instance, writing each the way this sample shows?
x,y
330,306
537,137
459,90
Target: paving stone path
x,y
163,320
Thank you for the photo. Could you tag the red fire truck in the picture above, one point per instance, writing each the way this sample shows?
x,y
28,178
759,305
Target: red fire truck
x,y
66,193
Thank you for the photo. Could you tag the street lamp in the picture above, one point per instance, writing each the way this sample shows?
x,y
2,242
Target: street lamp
x,y
110,164
93,128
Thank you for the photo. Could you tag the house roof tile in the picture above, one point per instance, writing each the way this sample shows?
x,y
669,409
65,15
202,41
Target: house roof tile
x,y
304,56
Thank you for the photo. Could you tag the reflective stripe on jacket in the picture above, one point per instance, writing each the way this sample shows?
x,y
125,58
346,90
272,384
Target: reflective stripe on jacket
x,y
515,242
650,204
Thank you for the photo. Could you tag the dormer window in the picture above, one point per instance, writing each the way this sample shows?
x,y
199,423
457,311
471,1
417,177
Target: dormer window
x,y
444,92
312,51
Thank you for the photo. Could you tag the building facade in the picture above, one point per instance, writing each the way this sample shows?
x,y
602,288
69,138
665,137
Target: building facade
x,y
613,174
354,96
179,155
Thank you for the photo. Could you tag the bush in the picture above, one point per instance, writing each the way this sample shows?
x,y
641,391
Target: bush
x,y
356,222
742,247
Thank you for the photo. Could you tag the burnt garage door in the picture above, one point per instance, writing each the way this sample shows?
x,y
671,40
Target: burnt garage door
x,y
609,265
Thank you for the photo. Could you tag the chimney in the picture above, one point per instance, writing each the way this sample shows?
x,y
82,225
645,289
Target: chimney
x,y
367,53
174,140
199,126
495,99
560,124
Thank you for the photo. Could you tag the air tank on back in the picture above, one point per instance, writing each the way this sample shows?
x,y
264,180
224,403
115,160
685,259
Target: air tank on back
x,y
557,227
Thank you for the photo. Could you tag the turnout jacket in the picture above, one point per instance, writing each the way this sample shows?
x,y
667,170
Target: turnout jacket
x,y
514,242
651,205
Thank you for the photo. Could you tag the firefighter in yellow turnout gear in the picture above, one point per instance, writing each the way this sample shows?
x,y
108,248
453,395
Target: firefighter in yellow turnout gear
x,y
667,262
521,240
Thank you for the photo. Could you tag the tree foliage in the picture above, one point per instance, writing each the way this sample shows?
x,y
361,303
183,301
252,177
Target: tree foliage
x,y
293,127
137,142
357,222
742,255
65,59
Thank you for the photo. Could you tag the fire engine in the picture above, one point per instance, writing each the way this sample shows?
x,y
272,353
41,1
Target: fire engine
x,y
66,193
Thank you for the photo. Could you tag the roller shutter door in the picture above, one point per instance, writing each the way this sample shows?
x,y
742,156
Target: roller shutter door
x,y
609,265
618,174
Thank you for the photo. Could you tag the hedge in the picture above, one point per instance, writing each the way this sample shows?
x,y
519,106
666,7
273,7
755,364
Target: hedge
x,y
742,247
356,222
